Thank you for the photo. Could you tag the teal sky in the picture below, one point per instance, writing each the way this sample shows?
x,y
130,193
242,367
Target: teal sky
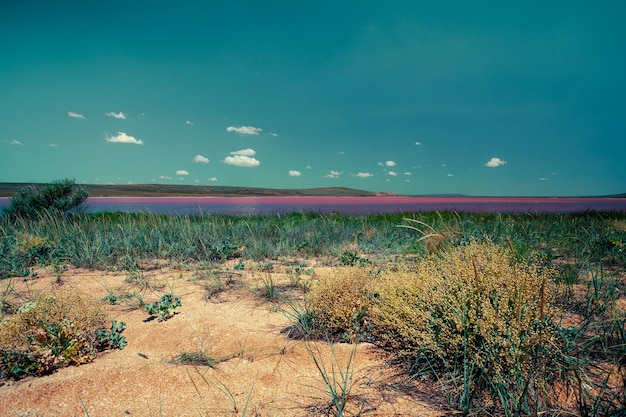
x,y
508,98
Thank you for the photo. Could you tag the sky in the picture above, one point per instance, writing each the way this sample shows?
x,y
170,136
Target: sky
x,y
485,98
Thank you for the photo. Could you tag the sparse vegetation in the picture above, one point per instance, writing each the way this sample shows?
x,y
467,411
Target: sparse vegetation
x,y
505,314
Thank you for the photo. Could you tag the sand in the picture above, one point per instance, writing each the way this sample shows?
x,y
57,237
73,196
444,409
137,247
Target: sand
x,y
263,371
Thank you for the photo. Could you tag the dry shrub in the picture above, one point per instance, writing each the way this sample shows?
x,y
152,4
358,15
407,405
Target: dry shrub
x,y
50,331
339,303
471,313
31,247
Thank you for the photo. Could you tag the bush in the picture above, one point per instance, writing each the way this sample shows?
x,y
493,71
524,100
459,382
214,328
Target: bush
x,y
59,196
480,321
338,305
51,331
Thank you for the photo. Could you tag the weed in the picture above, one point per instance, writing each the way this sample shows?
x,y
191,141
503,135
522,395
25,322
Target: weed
x,y
224,390
296,313
164,308
268,288
337,380
111,339
348,258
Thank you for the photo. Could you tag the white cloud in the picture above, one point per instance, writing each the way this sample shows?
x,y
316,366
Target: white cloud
x,y
119,115
242,158
199,159
122,137
181,172
53,145
16,142
363,174
333,174
408,173
244,130
188,122
392,173
244,152
495,162
272,134
544,179
387,163
241,161
293,173
212,179
450,175
418,143
164,177
75,115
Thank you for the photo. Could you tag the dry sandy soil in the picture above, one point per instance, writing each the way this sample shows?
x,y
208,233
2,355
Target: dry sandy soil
x,y
265,372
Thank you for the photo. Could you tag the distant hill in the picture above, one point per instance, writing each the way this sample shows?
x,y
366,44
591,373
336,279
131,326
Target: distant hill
x,y
163,190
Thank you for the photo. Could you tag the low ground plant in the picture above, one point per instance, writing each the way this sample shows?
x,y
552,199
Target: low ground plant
x,y
163,309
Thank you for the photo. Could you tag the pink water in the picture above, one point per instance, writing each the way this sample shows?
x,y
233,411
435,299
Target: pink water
x,y
349,205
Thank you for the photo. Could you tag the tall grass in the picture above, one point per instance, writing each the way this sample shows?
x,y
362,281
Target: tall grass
x,y
117,240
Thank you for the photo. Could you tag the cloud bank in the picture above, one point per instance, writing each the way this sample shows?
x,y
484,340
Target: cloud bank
x,y
122,137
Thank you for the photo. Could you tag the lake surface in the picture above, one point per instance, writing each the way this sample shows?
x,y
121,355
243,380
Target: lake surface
x,y
347,205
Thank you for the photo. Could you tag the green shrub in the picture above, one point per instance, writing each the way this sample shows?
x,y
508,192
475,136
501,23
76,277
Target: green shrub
x,y
60,196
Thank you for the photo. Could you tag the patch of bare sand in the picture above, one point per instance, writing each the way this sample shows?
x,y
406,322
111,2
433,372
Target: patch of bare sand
x,y
264,373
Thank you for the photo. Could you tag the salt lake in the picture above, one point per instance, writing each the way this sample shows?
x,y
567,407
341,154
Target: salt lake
x,y
347,205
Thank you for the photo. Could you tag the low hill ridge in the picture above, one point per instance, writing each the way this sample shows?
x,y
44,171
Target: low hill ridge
x,y
165,190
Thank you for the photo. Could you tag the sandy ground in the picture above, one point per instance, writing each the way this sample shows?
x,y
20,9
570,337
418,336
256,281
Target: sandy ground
x,y
264,371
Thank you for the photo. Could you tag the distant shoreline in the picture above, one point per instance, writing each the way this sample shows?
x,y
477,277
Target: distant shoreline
x,y
166,190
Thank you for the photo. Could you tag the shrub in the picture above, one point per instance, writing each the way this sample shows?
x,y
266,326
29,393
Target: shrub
x,y
338,304
50,331
60,196
474,315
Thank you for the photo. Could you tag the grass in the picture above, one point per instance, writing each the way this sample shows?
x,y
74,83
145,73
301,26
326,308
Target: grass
x,y
481,304
337,378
